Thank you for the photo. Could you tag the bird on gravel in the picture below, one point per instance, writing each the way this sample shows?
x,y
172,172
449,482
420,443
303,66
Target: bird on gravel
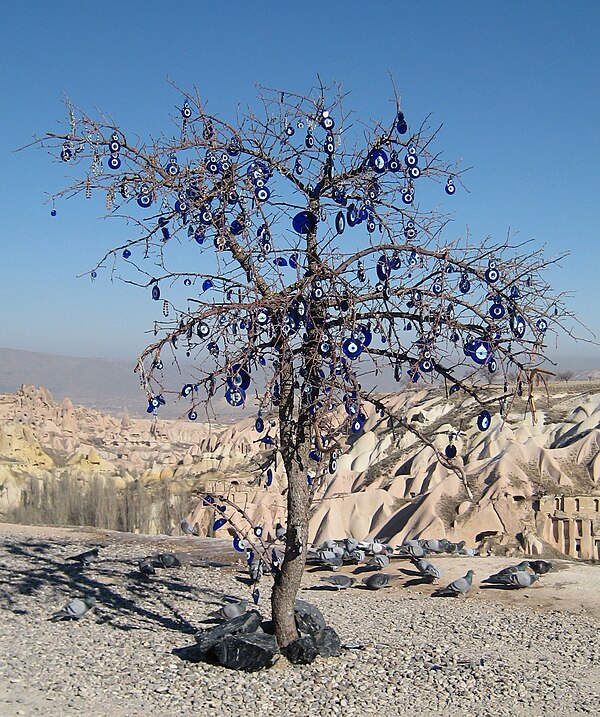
x,y
280,531
167,560
461,586
455,548
436,546
471,552
377,581
255,571
520,579
340,582
378,562
356,556
351,544
412,542
333,563
187,528
74,610
501,574
411,551
427,569
86,558
230,610
540,567
147,567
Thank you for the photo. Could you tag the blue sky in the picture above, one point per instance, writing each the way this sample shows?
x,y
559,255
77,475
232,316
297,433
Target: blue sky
x,y
515,85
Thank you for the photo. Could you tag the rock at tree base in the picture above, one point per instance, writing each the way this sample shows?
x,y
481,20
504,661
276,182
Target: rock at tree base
x,y
309,619
328,643
247,652
207,639
302,651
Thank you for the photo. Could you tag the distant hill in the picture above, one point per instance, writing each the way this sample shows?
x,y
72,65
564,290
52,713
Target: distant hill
x,y
109,386
112,386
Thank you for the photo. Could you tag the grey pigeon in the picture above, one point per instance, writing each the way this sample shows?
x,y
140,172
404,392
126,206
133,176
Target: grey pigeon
x,y
168,560
411,551
350,544
519,579
341,582
255,570
413,542
455,548
377,581
334,563
147,567
378,562
328,553
328,545
356,556
427,569
86,558
75,609
501,574
230,610
458,587
436,546
187,528
540,567
471,552
280,531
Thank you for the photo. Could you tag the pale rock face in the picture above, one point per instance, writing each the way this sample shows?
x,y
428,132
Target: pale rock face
x,y
387,483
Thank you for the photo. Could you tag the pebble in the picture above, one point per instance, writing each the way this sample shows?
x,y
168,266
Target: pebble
x,y
422,656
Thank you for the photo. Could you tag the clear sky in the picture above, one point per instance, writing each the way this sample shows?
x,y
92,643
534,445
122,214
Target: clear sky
x,y
516,85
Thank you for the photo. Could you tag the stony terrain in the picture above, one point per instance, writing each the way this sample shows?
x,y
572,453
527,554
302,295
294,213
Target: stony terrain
x,y
495,652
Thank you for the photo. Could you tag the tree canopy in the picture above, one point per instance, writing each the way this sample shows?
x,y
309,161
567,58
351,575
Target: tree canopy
x,y
296,249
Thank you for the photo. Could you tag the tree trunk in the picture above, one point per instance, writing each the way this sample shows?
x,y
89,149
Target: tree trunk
x,y
293,443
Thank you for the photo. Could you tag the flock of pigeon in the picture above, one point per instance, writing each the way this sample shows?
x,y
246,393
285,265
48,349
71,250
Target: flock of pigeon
x,y
331,555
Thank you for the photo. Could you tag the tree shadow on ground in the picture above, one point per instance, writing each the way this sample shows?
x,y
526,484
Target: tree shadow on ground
x,y
125,599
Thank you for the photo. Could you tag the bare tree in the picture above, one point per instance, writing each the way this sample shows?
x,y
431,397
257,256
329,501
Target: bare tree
x,y
565,375
293,254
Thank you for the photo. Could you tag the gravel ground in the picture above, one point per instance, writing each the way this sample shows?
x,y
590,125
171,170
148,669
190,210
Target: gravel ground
x,y
493,653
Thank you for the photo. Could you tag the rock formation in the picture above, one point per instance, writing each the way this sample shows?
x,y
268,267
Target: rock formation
x,y
142,474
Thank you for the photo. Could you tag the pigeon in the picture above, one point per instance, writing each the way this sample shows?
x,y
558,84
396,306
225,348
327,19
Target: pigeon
x,y
411,551
436,546
255,570
340,582
328,553
230,610
167,560
540,567
351,545
378,561
412,543
471,552
86,558
356,556
500,575
427,569
187,528
519,579
455,548
334,563
75,609
377,581
280,531
461,586
147,567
